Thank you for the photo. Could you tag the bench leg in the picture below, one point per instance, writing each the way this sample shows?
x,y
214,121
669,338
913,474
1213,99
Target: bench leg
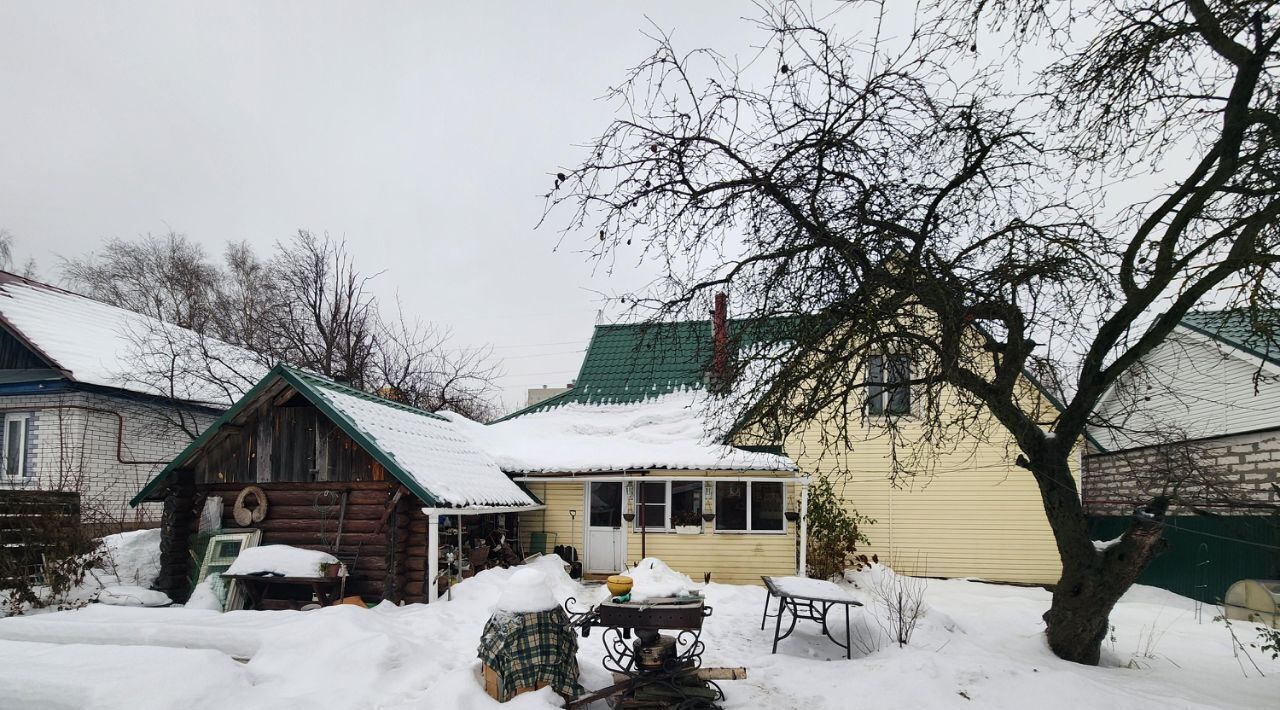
x,y
765,617
777,629
848,647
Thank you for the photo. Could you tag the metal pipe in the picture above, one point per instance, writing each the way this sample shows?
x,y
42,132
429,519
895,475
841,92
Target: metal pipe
x,y
119,427
643,550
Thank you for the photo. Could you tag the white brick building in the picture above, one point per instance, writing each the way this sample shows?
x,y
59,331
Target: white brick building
x,y
83,410
1213,384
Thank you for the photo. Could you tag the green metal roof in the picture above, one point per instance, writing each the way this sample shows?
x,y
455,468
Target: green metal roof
x,y
307,384
1238,328
629,362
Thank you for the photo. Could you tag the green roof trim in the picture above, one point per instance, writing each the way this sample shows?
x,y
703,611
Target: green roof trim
x,y
1236,328
360,436
205,436
306,384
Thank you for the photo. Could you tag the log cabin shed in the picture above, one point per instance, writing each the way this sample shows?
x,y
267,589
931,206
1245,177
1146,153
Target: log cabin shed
x,y
344,471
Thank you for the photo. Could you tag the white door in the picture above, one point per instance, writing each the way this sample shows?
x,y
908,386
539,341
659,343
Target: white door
x,y
606,539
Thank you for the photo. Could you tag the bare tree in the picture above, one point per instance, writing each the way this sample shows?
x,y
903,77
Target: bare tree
x,y
6,249
247,301
416,365
168,277
7,259
187,351
913,199
326,319
216,328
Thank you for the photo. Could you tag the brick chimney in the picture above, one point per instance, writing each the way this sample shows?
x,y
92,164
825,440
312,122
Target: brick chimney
x,y
720,344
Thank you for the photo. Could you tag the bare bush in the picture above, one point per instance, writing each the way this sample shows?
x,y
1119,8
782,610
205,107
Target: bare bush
x,y
45,553
902,600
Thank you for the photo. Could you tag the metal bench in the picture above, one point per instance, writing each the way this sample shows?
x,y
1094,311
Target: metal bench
x,y
808,599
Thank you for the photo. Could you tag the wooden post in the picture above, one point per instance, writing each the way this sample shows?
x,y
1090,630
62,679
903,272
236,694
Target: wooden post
x,y
433,556
804,528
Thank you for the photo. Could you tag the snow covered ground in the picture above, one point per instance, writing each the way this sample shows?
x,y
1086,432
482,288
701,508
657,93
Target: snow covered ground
x,y
978,646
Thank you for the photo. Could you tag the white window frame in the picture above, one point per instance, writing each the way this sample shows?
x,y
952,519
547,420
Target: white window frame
x,y
667,527
21,469
749,531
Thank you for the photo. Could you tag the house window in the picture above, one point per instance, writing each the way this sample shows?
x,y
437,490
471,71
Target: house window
x,y
666,504
651,505
751,506
887,388
16,433
686,503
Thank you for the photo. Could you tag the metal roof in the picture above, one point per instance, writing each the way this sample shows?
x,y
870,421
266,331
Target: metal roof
x,y
424,451
1257,335
631,362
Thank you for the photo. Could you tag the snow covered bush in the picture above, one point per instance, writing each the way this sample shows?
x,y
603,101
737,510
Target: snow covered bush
x,y
129,558
834,533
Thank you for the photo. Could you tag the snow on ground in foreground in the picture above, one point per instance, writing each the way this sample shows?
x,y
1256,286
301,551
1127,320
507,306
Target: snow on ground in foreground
x,y
984,641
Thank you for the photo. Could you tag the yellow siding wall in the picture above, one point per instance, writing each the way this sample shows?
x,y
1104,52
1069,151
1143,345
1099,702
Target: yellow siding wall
x,y
559,498
976,515
731,558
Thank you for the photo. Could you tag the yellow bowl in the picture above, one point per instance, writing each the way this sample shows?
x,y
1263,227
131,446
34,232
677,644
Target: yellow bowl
x,y
618,584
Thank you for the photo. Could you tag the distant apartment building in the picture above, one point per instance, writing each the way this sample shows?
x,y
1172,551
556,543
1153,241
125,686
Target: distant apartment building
x,y
543,393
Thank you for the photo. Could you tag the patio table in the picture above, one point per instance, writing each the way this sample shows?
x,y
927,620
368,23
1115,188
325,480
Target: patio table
x,y
808,599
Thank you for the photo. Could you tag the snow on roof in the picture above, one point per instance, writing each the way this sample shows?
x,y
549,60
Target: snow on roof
x,y
430,448
668,432
99,344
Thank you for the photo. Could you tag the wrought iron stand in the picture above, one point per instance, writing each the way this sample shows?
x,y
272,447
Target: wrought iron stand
x,y
652,658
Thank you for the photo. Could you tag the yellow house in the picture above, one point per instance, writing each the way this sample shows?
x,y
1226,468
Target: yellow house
x,y
625,481
634,416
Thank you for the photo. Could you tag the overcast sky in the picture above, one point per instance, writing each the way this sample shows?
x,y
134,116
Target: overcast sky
x,y
422,132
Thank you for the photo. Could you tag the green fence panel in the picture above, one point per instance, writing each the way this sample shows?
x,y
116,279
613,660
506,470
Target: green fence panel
x,y
1205,555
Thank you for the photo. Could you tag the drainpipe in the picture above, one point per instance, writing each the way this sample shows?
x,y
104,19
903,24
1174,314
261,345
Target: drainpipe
x,y
804,529
97,410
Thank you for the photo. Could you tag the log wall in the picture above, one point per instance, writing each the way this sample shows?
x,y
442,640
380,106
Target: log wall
x,y
379,554
177,524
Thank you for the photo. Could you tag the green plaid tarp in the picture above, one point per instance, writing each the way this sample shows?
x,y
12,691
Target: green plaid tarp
x,y
527,650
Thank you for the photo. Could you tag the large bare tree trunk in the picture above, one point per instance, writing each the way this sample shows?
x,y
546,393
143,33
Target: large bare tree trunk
x,y
1093,579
